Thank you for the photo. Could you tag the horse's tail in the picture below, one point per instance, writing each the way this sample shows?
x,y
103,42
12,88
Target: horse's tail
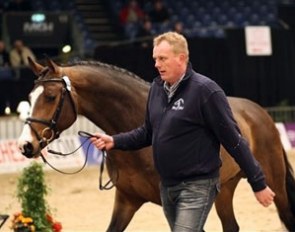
x,y
290,184
288,216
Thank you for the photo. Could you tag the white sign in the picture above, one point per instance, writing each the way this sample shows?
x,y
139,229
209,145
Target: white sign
x,y
258,41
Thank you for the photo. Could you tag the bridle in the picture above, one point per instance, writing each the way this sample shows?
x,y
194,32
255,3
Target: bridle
x,y
51,125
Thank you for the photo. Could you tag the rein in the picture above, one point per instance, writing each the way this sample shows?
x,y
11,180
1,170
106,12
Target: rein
x,y
108,185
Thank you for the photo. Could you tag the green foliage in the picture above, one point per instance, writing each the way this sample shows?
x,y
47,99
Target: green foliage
x,y
31,192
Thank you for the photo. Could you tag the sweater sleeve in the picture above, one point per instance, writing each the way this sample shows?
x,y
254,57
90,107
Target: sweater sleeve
x,y
219,118
135,139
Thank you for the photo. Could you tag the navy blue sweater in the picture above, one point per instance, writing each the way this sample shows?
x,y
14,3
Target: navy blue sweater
x,y
186,133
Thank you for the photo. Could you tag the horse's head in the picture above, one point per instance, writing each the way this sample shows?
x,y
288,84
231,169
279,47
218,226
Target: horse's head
x,y
52,108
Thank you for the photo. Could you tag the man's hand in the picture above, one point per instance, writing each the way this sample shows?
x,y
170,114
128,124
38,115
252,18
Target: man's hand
x,y
102,141
265,197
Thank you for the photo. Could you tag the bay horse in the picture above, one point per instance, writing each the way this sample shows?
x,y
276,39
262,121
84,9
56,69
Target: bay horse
x,y
114,99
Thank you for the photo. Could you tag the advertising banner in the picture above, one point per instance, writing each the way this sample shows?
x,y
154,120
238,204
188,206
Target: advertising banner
x,y
11,160
39,29
284,136
290,130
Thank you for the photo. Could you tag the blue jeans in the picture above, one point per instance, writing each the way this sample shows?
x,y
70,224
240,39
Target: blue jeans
x,y
187,205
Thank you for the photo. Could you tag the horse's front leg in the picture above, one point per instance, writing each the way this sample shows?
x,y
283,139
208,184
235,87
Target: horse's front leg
x,y
125,207
224,205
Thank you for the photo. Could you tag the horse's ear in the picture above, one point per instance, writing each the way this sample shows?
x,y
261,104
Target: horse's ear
x,y
36,68
52,66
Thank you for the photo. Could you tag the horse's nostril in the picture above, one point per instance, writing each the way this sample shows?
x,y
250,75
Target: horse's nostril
x,y
28,150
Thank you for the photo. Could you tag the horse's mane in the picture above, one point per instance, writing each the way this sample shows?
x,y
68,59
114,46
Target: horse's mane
x,y
107,66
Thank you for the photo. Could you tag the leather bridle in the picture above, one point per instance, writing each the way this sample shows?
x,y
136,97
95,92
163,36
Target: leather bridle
x,y
51,125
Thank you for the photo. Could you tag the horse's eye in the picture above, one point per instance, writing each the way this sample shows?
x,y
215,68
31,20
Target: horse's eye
x,y
50,98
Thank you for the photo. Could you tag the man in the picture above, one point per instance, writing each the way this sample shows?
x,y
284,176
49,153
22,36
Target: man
x,y
4,56
20,53
187,118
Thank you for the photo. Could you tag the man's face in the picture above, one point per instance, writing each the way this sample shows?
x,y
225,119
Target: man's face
x,y
18,45
167,62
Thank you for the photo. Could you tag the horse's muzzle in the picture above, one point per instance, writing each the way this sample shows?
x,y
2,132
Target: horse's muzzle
x,y
27,150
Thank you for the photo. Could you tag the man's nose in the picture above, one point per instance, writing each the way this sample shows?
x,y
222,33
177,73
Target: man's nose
x,y
157,65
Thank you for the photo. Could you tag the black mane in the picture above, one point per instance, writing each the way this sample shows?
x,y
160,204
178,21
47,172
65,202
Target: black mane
x,y
107,66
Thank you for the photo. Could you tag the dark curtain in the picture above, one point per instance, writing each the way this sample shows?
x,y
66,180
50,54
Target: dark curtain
x,y
134,58
208,56
268,80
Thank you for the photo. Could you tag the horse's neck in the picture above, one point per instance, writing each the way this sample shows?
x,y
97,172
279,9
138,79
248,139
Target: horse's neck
x,y
111,106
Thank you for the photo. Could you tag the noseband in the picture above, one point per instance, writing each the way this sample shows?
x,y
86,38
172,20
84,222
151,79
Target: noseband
x,y
51,125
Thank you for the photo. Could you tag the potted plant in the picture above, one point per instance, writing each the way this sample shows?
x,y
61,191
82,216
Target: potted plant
x,y
31,192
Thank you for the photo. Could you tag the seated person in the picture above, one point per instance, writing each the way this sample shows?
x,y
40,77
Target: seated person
x,y
145,34
131,15
159,13
19,54
4,55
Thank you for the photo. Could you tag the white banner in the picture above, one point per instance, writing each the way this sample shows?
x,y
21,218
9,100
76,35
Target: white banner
x,y
284,136
11,160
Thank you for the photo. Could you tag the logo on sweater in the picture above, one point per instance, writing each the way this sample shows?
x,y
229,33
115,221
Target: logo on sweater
x,y
178,105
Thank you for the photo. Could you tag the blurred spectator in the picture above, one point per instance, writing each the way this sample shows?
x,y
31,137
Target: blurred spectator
x,y
145,33
19,54
131,15
178,27
4,55
159,13
19,5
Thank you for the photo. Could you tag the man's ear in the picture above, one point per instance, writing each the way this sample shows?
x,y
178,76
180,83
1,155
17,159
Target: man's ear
x,y
182,57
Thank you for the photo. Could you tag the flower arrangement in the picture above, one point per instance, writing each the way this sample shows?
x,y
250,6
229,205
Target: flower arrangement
x,y
20,223
55,225
31,191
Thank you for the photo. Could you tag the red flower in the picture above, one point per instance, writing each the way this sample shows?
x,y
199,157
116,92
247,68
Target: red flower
x,y
49,218
57,227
